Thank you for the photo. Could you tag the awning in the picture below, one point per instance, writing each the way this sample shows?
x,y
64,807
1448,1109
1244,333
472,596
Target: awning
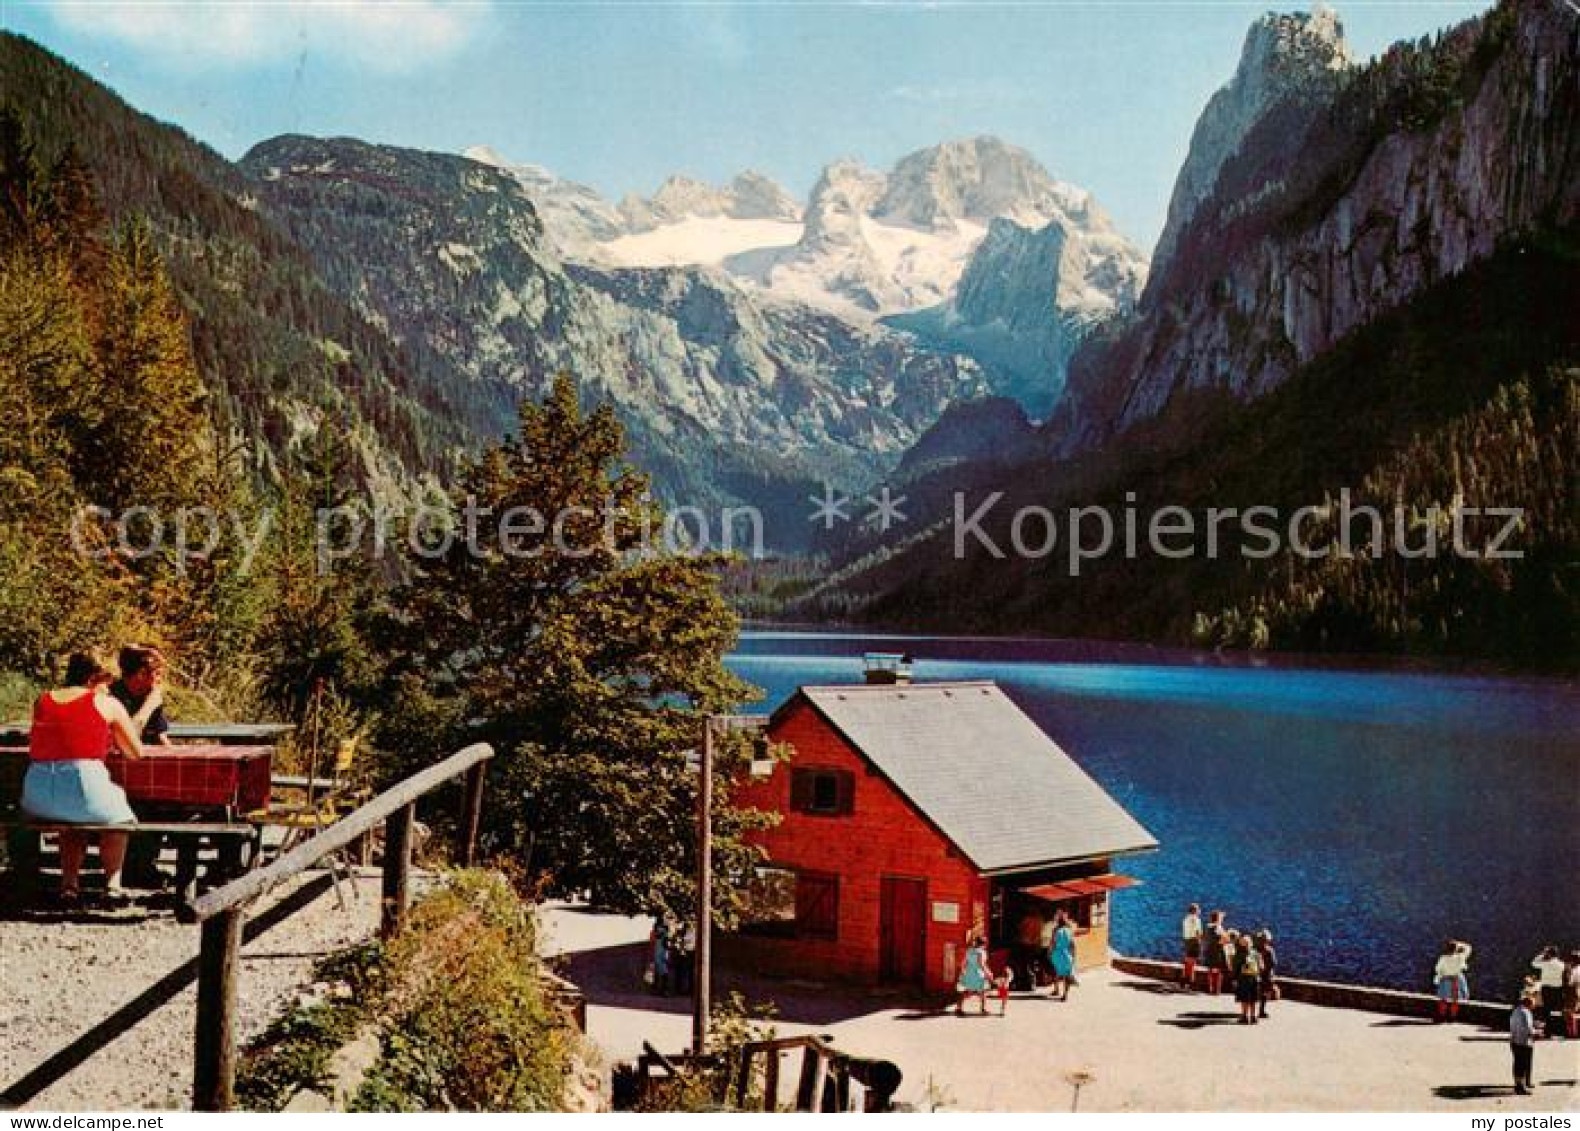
x,y
1077,889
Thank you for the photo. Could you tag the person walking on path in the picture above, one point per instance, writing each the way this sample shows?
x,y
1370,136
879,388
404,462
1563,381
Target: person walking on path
x,y
1522,1032
1190,936
975,977
1247,979
1062,957
1549,968
1449,976
1269,958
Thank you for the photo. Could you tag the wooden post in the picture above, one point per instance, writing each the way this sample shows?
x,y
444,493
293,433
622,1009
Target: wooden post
x,y
771,1081
743,1076
702,959
841,1085
472,814
214,1050
397,871
809,1091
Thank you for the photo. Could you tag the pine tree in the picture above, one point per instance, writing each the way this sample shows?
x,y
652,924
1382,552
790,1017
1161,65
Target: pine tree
x,y
151,445
587,659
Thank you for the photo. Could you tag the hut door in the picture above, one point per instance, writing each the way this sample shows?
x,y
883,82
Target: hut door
x,y
903,930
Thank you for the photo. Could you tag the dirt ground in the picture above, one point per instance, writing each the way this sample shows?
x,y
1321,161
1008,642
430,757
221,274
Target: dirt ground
x,y
97,1014
97,1009
1130,1044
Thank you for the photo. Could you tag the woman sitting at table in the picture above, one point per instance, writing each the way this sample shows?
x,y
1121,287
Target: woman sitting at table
x,y
67,782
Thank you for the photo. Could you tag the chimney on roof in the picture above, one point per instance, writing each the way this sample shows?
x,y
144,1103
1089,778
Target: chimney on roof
x,y
887,668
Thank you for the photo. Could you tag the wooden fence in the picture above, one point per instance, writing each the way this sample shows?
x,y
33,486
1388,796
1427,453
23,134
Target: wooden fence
x,y
823,1085
222,912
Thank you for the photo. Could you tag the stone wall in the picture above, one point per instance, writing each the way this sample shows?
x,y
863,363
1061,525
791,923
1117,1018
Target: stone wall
x,y
1370,999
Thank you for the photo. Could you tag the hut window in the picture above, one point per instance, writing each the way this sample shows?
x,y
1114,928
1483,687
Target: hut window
x,y
771,903
825,793
816,906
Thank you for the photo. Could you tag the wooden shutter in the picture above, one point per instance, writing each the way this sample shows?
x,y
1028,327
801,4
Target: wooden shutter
x,y
847,793
816,905
801,783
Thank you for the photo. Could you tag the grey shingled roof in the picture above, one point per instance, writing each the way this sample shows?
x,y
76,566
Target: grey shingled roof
x,y
983,772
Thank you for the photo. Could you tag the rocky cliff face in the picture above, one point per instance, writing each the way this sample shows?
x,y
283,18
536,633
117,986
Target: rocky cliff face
x,y
575,216
728,398
981,179
1297,56
1027,299
1420,164
749,196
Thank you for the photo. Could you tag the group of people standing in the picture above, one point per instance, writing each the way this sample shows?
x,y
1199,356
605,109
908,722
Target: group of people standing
x,y
977,977
1244,962
1549,1005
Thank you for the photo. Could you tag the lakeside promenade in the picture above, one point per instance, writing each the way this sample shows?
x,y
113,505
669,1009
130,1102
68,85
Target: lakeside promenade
x,y
1138,1044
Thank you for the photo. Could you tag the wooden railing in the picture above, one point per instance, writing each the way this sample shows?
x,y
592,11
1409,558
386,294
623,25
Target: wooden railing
x,y
222,912
824,1085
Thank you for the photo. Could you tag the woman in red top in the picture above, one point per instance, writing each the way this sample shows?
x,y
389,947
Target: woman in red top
x,y
67,782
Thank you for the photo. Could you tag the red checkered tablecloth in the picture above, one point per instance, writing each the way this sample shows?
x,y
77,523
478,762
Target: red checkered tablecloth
x,y
205,777
233,777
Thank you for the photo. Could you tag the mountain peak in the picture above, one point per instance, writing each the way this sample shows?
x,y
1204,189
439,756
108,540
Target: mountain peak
x,y
1286,55
976,178
1284,50
756,196
749,196
484,155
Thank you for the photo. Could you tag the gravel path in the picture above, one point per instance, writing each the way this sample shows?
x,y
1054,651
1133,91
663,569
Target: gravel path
x,y
109,998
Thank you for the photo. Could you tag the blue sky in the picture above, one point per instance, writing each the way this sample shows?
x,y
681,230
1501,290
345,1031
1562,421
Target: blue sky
x,y
621,95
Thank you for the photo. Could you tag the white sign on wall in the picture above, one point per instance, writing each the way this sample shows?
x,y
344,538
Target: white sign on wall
x,y
946,912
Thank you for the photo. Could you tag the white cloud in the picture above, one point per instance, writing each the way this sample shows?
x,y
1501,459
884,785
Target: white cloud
x,y
383,35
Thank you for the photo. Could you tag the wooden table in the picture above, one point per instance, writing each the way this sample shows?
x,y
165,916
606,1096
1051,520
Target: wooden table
x,y
208,783
215,734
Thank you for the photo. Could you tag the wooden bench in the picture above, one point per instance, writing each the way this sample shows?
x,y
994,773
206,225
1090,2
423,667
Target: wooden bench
x,y
235,844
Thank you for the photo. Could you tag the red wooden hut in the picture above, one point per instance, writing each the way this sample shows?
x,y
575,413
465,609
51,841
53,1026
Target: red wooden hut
x,y
913,814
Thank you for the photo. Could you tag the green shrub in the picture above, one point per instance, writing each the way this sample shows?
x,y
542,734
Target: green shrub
x,y
467,1021
294,1052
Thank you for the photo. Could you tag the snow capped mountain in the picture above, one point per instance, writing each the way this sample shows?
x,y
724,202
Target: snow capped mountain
x,y
688,223
871,245
575,217
1027,300
728,395
750,196
979,179
877,244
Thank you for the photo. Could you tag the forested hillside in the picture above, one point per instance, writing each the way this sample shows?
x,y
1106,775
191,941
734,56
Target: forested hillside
x,y
280,352
1467,394
1368,285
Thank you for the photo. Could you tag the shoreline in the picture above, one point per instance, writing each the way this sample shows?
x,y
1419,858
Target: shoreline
x,y
1171,654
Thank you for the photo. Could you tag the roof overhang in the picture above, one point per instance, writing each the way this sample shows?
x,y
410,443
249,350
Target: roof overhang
x,y
1088,885
1043,865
